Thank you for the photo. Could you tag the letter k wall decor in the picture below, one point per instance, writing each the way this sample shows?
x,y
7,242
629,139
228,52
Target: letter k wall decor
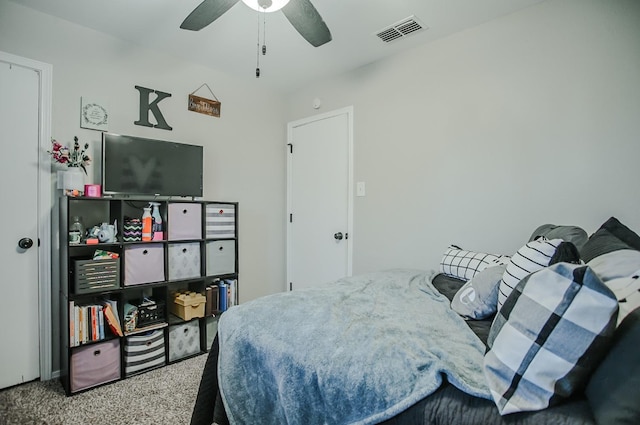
x,y
146,107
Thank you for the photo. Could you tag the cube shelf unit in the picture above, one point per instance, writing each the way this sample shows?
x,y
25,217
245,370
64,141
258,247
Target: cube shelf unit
x,y
198,250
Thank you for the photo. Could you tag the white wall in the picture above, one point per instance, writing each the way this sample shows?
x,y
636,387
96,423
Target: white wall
x,y
244,163
475,139
478,138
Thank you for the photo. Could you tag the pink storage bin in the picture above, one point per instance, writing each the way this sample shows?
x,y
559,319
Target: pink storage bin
x,y
95,364
184,221
143,263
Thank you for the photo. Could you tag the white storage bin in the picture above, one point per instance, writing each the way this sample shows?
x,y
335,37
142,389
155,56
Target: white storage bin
x,y
184,260
184,340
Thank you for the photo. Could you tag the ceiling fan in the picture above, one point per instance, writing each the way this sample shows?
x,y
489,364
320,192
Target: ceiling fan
x,y
301,13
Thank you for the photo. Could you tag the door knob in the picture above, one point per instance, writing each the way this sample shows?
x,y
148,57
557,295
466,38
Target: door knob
x,y
338,236
25,243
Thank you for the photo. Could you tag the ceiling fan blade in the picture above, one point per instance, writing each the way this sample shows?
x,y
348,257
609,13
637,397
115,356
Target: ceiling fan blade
x,y
307,21
206,12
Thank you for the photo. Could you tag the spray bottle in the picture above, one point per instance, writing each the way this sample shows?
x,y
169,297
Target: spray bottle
x,y
146,224
158,234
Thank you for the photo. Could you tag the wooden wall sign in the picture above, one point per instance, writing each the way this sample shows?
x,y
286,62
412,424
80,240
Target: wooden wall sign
x,y
203,105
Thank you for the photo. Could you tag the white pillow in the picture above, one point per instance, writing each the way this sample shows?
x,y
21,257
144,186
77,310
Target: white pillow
x,y
533,256
627,292
616,264
462,264
478,298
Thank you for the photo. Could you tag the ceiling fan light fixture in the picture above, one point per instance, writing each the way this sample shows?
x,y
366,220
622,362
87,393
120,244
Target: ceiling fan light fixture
x,y
266,5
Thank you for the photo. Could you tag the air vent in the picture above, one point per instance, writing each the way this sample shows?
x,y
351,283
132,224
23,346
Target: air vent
x,y
400,29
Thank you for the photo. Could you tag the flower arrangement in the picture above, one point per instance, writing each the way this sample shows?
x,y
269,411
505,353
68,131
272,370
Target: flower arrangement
x,y
72,158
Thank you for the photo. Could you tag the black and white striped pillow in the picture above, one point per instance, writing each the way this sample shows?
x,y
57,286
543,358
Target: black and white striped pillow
x,y
534,256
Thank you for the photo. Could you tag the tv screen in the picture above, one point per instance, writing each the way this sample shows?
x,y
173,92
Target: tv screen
x,y
138,166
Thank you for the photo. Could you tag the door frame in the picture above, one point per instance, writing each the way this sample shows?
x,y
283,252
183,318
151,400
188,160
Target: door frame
x,y
45,72
290,126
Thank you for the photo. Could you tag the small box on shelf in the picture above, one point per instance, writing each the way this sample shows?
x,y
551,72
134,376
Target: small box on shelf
x,y
188,305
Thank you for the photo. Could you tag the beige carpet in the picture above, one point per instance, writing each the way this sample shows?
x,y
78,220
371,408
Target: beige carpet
x,y
161,396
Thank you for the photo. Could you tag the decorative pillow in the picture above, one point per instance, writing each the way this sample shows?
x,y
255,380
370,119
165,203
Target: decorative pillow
x,y
532,257
627,292
612,390
551,333
616,264
611,236
574,234
478,298
457,262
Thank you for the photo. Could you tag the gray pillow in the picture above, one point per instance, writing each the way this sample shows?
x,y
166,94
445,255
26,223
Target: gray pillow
x,y
574,234
611,236
612,390
478,298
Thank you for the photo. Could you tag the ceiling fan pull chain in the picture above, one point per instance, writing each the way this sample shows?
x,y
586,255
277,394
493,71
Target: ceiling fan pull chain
x,y
264,33
258,50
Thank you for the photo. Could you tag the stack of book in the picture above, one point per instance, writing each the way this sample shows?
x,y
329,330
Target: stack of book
x,y
93,322
220,295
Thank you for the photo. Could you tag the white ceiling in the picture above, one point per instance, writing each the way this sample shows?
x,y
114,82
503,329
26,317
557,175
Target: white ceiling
x,y
230,43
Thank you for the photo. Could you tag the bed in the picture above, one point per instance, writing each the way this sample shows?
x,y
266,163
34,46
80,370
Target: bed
x,y
392,347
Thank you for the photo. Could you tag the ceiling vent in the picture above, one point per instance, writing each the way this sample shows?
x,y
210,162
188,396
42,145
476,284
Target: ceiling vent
x,y
401,29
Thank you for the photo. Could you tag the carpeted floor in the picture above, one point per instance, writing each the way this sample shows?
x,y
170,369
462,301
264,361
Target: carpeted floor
x,y
162,396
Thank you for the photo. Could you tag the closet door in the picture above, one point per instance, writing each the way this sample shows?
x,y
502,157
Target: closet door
x,y
19,305
319,199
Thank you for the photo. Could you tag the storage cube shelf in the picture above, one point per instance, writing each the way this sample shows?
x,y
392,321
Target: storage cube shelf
x,y
129,306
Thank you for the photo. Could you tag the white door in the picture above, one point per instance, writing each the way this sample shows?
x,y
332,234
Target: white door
x,y
319,198
20,302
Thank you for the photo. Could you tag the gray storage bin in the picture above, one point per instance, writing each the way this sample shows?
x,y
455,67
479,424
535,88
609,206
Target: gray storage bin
x,y
95,364
184,260
96,275
212,330
184,221
221,257
184,340
143,263
143,352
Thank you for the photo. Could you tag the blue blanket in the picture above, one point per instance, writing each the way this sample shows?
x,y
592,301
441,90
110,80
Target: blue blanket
x,y
356,351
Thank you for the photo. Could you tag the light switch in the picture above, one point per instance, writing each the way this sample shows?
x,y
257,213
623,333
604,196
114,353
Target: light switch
x,y
360,189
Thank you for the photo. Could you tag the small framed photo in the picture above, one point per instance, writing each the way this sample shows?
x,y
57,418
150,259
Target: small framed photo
x,y
94,114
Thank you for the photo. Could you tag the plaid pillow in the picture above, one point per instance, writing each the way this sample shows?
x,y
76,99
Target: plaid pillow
x,y
459,263
549,336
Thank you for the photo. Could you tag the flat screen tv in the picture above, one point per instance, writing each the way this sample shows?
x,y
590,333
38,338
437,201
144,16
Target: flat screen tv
x,y
137,166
